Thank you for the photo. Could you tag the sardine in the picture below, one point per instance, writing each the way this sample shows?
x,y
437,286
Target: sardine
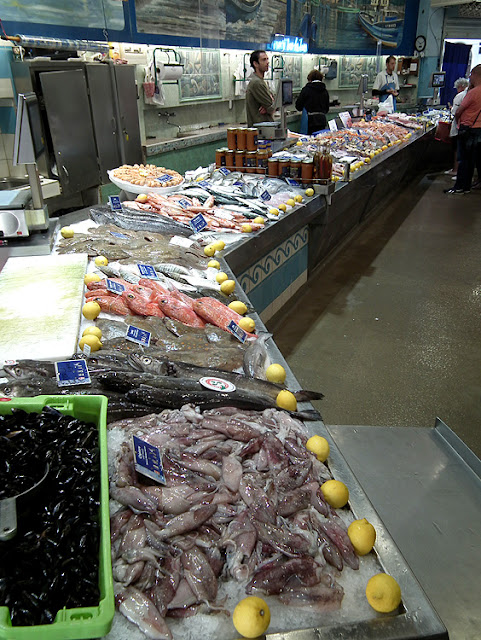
x,y
255,357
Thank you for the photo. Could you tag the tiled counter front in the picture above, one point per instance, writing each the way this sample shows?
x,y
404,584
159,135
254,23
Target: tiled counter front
x,y
276,276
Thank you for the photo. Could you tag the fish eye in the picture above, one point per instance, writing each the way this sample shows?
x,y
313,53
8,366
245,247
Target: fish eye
x,y
146,360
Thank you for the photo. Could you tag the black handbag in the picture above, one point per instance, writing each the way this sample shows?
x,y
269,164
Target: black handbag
x,y
464,129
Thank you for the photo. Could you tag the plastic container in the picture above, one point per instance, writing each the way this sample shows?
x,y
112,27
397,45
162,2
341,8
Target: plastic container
x,y
83,622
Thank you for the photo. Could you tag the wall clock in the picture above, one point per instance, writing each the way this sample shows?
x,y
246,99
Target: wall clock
x,y
420,43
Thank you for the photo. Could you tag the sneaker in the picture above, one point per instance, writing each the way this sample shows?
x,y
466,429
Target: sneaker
x,y
454,177
456,191
450,172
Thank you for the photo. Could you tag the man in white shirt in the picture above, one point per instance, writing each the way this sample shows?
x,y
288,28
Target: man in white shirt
x,y
387,82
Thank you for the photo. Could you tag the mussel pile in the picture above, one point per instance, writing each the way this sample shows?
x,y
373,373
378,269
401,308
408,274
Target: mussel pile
x,y
53,561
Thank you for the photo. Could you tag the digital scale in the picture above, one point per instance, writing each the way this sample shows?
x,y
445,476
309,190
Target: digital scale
x,y
278,130
22,208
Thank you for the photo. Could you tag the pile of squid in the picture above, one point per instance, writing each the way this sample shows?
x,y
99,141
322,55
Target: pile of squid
x,y
242,502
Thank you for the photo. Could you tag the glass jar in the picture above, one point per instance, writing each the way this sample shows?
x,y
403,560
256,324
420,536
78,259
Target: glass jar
x,y
322,164
251,139
240,160
284,167
272,167
295,171
251,161
220,157
307,171
241,139
262,161
229,159
232,138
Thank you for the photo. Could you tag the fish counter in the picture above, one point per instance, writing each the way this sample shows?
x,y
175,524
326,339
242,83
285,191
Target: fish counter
x,y
255,497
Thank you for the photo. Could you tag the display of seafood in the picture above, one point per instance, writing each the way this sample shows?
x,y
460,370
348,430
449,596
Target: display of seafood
x,y
241,506
52,562
148,175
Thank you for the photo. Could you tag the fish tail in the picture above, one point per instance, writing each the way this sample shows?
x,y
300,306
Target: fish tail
x,y
304,395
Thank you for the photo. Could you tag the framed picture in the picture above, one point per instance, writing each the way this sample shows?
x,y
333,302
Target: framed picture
x,y
293,70
351,68
201,77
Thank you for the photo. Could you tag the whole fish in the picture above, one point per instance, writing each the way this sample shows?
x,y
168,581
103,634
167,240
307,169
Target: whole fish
x,y
141,306
178,310
255,357
138,220
216,312
111,304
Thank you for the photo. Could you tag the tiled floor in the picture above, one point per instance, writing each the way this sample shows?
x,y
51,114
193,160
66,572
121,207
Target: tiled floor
x,y
390,330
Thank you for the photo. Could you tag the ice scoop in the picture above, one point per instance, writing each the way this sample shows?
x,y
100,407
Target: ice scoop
x,y
8,508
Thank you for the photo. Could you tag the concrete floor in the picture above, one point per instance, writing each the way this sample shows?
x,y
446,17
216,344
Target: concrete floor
x,y
390,328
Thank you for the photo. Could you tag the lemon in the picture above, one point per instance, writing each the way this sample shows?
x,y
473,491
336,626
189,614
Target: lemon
x,y
383,593
258,220
291,202
309,192
92,331
101,261
238,306
67,232
209,250
299,143
247,324
286,400
142,197
218,245
221,277
276,373
362,535
335,493
246,228
227,287
273,211
251,617
215,264
91,277
282,207
92,341
319,447
298,198
91,310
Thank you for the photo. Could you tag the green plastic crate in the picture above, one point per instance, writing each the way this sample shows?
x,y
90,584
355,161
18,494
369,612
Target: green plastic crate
x,y
85,622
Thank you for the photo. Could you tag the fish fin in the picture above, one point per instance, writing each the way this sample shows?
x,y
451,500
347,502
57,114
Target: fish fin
x,y
304,395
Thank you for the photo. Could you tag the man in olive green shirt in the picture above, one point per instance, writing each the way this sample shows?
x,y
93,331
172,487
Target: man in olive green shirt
x,y
259,100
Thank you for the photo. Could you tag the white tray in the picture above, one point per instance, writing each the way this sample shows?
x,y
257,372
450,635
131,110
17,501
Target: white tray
x,y
137,188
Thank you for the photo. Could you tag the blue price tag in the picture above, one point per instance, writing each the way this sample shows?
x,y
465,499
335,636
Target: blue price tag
x,y
204,183
115,287
238,183
292,182
147,460
265,196
224,171
147,271
165,178
119,235
198,223
72,372
115,203
184,203
140,336
236,331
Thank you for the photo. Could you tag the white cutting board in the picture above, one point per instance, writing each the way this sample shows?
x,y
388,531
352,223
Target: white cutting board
x,y
41,300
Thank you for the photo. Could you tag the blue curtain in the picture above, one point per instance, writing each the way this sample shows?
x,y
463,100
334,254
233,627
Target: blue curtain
x,y
455,63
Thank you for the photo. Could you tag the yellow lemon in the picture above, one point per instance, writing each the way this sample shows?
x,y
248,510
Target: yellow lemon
x,y
335,493
299,143
238,306
215,264
282,207
367,159
319,447
286,400
92,331
218,245
92,277
209,250
291,202
221,277
247,324
246,228
91,310
258,220
309,192
251,617
227,287
276,373
92,341
383,593
298,198
101,261
142,197
362,535
273,211
67,232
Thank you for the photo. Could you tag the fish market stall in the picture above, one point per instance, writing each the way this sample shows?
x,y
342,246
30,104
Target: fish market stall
x,y
181,352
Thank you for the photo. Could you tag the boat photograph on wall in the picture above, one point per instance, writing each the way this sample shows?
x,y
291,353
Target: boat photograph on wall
x,y
382,23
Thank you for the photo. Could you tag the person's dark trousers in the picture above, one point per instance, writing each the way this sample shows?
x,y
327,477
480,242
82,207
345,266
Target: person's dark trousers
x,y
467,147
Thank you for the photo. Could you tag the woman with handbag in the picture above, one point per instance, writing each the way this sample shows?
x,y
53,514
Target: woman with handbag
x,y
468,117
